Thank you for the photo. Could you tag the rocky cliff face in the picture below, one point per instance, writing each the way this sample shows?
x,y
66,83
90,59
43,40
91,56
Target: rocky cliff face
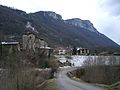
x,y
51,14
86,24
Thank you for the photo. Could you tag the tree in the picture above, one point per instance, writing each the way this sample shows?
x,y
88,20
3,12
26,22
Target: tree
x,y
74,52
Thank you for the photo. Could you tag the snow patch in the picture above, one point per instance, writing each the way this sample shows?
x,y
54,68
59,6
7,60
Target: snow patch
x,y
29,26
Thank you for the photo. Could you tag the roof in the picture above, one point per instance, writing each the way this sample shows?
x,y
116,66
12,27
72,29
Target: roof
x,y
116,53
79,48
46,47
9,43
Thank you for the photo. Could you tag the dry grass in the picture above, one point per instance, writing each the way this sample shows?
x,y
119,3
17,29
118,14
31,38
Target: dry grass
x,y
23,80
47,85
115,86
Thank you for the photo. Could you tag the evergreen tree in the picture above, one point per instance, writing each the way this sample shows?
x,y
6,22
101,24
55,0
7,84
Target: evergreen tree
x,y
74,52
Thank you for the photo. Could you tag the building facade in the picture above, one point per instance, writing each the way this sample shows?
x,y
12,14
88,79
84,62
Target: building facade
x,y
83,51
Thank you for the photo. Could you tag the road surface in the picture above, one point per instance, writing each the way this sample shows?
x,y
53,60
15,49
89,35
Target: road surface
x,y
65,83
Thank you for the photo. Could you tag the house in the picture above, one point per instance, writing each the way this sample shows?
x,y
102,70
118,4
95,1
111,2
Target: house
x,y
60,51
10,47
105,53
83,51
116,53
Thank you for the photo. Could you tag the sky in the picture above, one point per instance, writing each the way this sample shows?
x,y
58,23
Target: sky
x,y
104,14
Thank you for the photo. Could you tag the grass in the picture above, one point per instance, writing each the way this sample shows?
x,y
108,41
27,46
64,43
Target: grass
x,y
52,84
115,86
48,85
73,77
76,79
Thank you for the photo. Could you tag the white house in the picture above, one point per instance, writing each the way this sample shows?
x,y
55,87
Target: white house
x,y
61,52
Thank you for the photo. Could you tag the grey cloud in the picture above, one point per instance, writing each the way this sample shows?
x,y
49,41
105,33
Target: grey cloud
x,y
111,2
111,6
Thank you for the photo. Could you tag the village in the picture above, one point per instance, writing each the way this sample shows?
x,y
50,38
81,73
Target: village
x,y
32,42
59,45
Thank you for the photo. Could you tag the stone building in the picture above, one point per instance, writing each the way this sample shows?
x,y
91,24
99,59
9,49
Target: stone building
x,y
40,43
32,42
28,41
39,46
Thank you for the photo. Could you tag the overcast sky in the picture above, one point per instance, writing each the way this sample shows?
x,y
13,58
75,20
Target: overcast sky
x,y
104,14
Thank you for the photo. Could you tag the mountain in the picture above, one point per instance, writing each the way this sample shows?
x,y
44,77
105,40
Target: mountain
x,y
54,30
85,24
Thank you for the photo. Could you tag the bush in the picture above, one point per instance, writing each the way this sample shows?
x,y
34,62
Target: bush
x,y
102,74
